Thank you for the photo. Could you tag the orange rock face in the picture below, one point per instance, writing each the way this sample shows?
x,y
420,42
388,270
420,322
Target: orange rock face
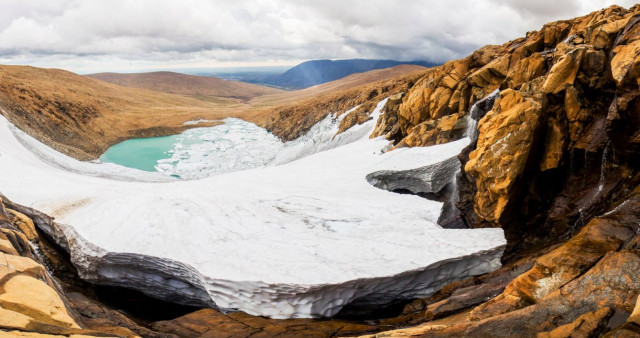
x,y
556,165
505,139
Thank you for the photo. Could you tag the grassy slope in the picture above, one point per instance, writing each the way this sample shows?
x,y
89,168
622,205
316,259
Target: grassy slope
x,y
82,117
346,83
197,86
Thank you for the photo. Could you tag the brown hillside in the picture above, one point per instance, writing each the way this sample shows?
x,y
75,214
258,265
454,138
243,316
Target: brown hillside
x,y
289,121
82,117
197,86
348,82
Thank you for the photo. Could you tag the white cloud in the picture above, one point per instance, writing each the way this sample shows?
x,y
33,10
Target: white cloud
x,y
77,34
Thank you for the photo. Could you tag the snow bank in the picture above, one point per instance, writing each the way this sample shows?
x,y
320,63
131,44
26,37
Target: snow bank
x,y
300,239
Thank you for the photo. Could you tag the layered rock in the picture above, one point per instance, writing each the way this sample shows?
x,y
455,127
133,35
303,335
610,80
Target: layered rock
x,y
555,165
427,179
564,92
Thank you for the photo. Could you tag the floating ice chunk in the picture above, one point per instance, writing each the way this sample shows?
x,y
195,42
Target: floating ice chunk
x,y
195,122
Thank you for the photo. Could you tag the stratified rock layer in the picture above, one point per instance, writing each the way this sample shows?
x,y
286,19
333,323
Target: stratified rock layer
x,y
556,166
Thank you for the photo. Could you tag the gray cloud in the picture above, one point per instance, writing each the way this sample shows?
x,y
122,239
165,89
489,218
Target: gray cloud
x,y
96,35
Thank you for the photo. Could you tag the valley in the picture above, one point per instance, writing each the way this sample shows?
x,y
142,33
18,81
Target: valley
x,y
493,195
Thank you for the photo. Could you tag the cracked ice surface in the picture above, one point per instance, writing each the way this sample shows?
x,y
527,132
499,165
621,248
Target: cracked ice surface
x,y
300,239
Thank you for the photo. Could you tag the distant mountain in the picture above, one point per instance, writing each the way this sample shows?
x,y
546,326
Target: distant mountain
x,y
337,86
176,83
316,72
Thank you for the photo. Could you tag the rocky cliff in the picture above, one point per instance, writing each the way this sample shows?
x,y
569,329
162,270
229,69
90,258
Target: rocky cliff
x,y
561,135
555,165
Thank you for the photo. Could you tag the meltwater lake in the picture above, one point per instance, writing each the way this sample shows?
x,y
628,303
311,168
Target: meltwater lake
x,y
199,152
141,153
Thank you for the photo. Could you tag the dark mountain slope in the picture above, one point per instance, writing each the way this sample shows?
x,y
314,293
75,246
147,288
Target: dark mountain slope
x,y
315,72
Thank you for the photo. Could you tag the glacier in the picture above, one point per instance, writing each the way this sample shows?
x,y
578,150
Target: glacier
x,y
300,236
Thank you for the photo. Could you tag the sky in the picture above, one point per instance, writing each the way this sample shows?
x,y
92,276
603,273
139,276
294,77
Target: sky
x,y
87,36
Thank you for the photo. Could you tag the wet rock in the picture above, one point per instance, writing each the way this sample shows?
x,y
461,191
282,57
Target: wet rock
x,y
580,297
505,137
564,72
590,324
564,264
427,179
210,323
554,146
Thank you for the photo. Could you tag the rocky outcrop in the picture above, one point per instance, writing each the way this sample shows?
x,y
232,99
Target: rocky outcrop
x,y
581,288
357,116
503,146
443,130
291,121
427,179
211,323
556,166
30,300
567,101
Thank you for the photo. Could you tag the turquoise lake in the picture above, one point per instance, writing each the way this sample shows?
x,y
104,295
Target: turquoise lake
x,y
140,153
199,152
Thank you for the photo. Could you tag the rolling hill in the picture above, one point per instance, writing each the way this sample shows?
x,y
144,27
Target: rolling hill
x,y
197,86
346,83
82,116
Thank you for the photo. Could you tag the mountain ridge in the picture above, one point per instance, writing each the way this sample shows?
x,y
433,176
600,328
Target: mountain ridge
x,y
315,72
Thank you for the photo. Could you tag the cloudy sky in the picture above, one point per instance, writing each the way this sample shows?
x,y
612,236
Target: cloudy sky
x,y
137,35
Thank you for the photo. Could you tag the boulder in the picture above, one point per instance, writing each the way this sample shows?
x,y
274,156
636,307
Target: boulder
x,y
506,135
35,299
625,65
443,130
563,73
